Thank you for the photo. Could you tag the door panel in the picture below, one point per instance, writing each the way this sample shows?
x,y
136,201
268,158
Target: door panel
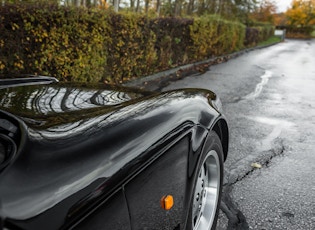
x,y
113,215
167,175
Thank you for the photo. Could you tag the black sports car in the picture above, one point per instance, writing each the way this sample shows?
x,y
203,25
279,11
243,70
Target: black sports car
x,y
79,156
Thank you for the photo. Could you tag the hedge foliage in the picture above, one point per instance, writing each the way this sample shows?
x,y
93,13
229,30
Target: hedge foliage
x,y
258,32
68,43
76,44
173,41
298,32
213,36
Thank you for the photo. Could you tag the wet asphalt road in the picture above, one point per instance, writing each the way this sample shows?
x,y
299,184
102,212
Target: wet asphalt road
x,y
268,97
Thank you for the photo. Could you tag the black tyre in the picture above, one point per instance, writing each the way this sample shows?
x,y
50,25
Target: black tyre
x,y
204,208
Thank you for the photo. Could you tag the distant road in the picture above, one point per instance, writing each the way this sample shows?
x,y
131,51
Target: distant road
x,y
268,97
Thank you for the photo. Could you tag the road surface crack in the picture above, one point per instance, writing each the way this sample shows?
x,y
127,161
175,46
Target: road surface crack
x,y
244,167
237,220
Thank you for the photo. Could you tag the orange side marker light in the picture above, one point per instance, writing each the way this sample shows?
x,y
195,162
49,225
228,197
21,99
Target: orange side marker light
x,y
167,202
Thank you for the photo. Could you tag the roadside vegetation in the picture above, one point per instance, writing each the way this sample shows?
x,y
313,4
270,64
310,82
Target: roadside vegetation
x,y
114,42
270,41
301,19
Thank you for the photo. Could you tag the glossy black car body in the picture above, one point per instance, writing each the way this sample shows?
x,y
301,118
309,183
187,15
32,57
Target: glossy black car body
x,y
88,157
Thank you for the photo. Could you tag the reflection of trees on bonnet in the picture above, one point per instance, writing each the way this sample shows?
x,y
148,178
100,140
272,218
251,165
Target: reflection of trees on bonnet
x,y
58,111
50,99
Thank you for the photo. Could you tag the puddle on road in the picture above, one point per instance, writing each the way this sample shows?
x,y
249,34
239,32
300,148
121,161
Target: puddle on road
x,y
259,86
278,126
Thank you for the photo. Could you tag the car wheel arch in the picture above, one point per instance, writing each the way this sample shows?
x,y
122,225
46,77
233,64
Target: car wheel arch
x,y
206,147
221,129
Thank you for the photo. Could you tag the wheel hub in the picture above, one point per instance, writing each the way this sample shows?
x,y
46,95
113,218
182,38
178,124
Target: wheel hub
x,y
206,192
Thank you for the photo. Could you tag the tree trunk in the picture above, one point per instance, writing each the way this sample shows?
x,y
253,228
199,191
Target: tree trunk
x,y
201,7
77,3
178,6
116,5
138,6
190,7
158,7
132,5
146,6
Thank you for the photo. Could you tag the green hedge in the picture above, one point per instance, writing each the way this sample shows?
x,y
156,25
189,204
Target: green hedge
x,y
173,41
213,36
66,43
258,33
130,52
298,32
76,44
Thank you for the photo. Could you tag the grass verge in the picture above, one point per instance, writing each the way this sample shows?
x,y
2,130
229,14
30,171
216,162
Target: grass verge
x,y
271,40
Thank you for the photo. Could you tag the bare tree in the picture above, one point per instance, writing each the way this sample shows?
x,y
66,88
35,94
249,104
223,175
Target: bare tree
x,y
132,5
190,7
178,7
116,5
146,6
158,7
138,6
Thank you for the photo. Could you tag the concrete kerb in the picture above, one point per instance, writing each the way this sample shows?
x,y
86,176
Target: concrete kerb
x,y
156,82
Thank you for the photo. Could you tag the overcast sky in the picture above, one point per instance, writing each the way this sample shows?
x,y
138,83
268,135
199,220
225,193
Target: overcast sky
x,y
283,5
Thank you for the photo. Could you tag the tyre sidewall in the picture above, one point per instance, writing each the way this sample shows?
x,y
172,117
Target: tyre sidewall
x,y
212,143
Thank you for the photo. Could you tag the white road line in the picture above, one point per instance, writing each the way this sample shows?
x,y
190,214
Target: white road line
x,y
259,87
